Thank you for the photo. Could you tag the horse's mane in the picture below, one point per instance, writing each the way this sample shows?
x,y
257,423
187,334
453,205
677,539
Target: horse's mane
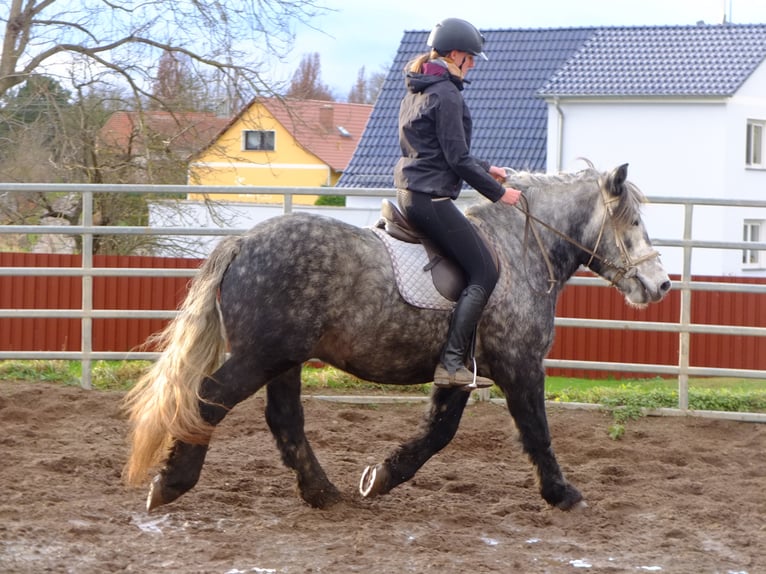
x,y
625,210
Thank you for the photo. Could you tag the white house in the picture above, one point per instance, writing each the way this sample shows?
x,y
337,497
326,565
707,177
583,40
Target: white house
x,y
685,106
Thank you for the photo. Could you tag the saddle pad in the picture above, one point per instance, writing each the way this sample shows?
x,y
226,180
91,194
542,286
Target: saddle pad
x,y
414,282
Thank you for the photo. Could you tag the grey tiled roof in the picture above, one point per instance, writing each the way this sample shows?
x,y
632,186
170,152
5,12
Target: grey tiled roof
x,y
662,61
506,93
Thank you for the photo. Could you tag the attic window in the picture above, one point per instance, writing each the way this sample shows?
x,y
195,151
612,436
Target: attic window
x,y
258,140
344,132
754,144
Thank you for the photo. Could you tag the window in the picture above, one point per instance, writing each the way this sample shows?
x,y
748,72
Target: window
x,y
260,140
751,232
754,146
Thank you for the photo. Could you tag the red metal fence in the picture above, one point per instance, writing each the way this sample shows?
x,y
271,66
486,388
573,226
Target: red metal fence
x,y
661,348
572,343
125,293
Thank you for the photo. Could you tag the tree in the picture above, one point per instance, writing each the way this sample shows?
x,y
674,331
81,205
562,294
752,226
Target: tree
x,y
30,138
358,93
174,87
306,83
161,55
36,98
112,43
366,91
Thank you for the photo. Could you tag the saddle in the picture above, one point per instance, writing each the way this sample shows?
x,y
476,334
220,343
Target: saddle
x,y
445,275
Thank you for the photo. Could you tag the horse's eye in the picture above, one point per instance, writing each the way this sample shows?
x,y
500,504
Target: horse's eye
x,y
636,222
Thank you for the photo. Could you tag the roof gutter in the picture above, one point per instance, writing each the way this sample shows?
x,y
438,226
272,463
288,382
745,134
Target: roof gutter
x,y
559,135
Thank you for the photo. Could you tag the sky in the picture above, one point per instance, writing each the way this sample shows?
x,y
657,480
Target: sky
x,y
356,33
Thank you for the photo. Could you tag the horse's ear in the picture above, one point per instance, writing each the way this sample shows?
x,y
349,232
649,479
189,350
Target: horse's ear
x,y
617,179
621,174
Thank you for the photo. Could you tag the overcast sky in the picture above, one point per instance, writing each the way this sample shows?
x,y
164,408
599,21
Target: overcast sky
x,y
358,33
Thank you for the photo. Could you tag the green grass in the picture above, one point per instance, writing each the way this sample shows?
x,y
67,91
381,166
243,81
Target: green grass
x,y
106,375
718,394
625,398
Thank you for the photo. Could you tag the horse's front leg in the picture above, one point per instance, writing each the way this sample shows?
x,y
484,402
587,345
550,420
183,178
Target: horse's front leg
x,y
437,430
284,415
525,397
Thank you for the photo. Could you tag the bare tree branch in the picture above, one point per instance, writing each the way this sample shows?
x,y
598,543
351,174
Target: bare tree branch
x,y
233,37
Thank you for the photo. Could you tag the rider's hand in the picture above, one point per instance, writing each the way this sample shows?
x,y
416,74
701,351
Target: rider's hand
x,y
498,173
511,196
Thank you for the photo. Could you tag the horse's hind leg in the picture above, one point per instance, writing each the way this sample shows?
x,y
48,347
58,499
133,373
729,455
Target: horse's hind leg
x,y
526,402
437,430
284,415
232,383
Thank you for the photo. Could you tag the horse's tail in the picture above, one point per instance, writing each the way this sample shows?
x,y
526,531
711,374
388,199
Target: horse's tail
x,y
164,404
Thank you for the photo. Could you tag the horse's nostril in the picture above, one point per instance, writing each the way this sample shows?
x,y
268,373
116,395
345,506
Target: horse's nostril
x,y
665,286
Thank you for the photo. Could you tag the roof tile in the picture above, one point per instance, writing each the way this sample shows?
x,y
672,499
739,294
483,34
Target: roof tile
x,y
182,132
662,61
502,98
506,93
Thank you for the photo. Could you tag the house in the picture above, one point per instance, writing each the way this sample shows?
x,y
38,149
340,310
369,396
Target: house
x,y
283,143
131,139
685,106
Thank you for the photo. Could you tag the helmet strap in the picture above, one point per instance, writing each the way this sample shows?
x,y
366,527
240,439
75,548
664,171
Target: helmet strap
x,y
453,66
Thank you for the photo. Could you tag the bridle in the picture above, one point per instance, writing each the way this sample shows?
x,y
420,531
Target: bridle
x,y
627,268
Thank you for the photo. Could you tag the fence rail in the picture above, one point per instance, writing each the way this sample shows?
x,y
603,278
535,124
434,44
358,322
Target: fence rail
x,y
681,326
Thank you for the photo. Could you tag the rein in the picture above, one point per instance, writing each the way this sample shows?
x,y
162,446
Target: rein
x,y
628,267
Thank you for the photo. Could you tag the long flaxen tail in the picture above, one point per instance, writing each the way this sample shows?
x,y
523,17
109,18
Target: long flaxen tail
x,y
164,404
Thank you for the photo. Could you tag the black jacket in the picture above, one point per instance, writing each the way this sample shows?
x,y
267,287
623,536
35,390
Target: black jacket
x,y
435,138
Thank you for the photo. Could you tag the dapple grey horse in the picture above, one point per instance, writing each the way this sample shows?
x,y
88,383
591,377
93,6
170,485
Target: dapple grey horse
x,y
303,286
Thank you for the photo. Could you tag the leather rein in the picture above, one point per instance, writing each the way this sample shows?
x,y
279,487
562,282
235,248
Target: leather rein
x,y
627,268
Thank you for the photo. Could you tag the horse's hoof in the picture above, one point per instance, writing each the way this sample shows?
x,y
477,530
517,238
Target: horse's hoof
x,y
373,481
154,498
579,506
321,497
160,493
573,505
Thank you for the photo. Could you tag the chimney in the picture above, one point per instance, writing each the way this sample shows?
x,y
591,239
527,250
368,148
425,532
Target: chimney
x,y
326,117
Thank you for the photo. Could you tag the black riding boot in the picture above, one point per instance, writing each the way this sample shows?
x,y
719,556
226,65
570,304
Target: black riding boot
x,y
451,371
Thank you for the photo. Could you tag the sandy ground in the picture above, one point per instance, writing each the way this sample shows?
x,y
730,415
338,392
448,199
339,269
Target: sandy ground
x,y
674,495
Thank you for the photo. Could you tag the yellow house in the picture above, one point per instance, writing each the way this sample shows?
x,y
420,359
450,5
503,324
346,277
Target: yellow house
x,y
277,142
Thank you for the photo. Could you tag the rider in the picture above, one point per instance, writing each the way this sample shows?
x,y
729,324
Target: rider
x,y
435,138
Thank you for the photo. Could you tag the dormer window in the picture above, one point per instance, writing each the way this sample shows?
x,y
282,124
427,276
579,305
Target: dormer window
x,y
258,140
754,146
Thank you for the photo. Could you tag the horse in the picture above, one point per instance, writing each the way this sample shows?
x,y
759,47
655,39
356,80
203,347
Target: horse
x,y
304,286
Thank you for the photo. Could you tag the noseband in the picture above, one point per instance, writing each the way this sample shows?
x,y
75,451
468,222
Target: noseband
x,y
626,269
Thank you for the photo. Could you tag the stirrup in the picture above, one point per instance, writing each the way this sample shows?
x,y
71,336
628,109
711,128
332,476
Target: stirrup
x,y
447,380
478,382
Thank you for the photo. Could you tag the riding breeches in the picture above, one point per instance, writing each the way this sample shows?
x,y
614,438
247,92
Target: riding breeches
x,y
444,224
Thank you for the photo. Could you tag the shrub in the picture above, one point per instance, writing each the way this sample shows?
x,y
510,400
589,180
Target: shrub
x,y
331,200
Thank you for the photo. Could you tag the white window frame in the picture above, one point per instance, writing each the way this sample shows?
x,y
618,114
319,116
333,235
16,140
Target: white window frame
x,y
752,231
267,140
754,150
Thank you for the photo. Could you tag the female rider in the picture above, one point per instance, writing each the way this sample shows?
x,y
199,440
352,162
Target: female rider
x,y
435,138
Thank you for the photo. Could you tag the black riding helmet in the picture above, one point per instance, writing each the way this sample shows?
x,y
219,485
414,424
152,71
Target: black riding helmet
x,y
456,34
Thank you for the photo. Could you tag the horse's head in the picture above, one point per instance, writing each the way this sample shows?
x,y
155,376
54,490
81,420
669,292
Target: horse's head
x,y
623,253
